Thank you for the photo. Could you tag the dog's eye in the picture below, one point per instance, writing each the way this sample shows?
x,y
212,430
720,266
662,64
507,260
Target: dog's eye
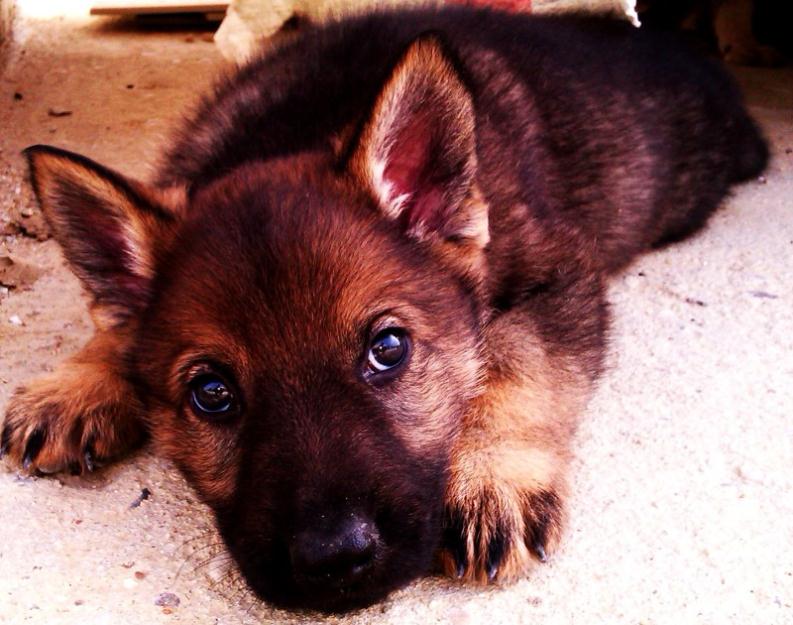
x,y
388,349
211,397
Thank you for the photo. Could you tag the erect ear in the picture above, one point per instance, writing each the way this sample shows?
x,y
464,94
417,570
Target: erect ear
x,y
417,150
108,226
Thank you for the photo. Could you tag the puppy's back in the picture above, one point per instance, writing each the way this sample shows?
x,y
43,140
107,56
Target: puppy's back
x,y
620,132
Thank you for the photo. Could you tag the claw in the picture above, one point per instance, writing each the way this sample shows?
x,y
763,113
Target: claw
x,y
545,506
496,549
539,551
88,461
459,563
454,537
5,440
88,454
32,448
460,560
492,571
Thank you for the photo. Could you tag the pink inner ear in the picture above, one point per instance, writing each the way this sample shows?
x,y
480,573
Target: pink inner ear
x,y
410,171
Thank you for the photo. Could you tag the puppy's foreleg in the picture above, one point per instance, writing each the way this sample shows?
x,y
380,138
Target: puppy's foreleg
x,y
82,413
505,498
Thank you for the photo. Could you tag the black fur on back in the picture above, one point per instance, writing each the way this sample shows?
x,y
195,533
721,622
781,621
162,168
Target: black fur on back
x,y
623,133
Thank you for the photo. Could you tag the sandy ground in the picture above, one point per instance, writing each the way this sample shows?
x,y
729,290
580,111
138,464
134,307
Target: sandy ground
x,y
683,506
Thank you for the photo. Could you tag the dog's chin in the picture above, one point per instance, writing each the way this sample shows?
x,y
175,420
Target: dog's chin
x,y
272,580
340,598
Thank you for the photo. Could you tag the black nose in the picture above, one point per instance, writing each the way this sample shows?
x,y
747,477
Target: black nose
x,y
336,555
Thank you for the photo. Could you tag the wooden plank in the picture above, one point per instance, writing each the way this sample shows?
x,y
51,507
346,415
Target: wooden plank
x,y
153,7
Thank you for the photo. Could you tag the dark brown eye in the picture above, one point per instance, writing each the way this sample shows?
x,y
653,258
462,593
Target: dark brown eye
x,y
211,397
388,350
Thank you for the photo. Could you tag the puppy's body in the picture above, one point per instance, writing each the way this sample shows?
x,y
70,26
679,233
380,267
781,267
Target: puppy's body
x,y
455,183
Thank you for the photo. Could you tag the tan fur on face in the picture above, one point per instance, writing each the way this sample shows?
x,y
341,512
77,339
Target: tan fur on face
x,y
438,388
208,454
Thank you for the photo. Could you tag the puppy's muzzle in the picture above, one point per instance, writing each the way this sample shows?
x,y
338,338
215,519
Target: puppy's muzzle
x,y
335,555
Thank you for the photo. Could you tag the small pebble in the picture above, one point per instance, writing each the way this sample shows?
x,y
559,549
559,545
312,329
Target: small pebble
x,y
167,600
762,180
79,602
14,320
17,96
26,212
763,295
145,493
139,574
167,611
130,86
54,112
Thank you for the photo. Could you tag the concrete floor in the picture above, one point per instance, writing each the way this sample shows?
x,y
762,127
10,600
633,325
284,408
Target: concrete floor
x,y
682,510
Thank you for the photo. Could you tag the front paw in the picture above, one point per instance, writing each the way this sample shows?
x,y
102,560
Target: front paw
x,y
495,529
62,422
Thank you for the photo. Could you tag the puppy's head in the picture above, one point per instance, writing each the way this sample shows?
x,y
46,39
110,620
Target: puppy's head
x,y
307,333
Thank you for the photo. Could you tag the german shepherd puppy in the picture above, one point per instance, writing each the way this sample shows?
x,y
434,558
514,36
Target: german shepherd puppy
x,y
362,307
